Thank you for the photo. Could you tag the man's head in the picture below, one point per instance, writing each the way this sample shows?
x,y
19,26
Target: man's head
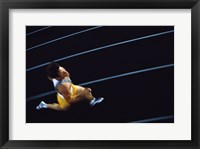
x,y
54,70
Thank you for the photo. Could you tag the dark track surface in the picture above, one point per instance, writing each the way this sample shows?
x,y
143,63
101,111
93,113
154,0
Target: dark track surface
x,y
127,99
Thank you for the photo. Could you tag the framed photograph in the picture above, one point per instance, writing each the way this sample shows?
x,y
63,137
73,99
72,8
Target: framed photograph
x,y
85,74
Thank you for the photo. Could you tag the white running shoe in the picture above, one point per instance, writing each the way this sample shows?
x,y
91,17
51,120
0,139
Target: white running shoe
x,y
41,105
96,101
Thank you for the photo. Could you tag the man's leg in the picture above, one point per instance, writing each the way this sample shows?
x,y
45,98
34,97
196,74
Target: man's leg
x,y
85,93
62,105
53,106
57,107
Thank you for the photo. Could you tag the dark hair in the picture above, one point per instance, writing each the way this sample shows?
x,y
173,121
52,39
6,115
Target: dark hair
x,y
52,69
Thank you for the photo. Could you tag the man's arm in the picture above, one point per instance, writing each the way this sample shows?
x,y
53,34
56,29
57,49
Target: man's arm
x,y
64,89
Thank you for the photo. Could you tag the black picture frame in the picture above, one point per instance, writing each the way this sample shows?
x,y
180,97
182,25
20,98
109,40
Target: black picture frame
x,y
5,5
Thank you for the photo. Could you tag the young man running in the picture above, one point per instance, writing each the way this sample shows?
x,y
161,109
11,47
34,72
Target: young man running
x,y
67,92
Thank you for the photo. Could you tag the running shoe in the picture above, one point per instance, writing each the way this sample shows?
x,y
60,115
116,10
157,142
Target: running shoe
x,y
41,105
96,101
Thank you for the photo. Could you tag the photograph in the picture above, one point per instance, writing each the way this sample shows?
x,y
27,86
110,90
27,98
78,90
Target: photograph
x,y
99,74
